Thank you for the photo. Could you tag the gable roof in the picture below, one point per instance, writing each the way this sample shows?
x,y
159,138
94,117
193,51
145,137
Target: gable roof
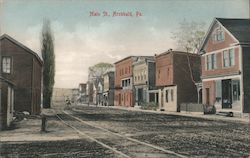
x,y
5,36
238,28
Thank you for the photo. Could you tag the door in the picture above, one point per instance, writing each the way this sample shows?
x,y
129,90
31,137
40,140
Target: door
x,y
207,96
119,99
140,96
226,94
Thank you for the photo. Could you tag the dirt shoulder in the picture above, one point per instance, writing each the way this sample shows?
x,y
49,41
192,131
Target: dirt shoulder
x,y
30,130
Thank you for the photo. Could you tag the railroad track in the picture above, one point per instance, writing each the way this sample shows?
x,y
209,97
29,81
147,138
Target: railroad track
x,y
121,145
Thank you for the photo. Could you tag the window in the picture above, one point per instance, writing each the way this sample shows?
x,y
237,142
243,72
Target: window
x,y
236,90
166,97
126,83
228,58
6,64
135,78
172,95
211,61
159,72
218,90
218,34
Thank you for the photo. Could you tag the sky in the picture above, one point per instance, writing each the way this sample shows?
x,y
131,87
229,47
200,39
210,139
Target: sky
x,y
82,40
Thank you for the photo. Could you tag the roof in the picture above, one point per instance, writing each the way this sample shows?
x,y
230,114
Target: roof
x,y
7,81
146,57
5,36
176,52
123,59
239,28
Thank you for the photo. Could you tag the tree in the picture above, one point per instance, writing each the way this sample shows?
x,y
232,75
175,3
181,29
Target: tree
x,y
98,70
47,43
189,36
96,73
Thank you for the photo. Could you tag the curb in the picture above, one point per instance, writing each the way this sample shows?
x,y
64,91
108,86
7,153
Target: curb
x,y
208,117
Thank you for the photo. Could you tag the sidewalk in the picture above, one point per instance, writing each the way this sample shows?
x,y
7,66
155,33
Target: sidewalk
x,y
29,129
210,117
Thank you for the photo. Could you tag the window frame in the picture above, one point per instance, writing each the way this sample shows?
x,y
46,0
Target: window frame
x,y
211,62
230,54
11,64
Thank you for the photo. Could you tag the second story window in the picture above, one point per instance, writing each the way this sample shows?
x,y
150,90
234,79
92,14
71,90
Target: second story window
x,y
228,58
211,61
6,65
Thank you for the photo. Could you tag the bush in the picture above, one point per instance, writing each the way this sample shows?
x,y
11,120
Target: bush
x,y
149,106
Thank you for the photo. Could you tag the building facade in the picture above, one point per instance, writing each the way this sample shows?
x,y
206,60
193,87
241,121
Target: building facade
x,y
176,75
23,68
6,103
143,79
123,82
99,92
108,88
226,66
82,93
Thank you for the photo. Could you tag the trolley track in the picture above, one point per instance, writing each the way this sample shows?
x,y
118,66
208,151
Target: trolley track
x,y
121,145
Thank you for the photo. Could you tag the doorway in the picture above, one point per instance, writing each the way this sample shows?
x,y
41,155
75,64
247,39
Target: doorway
x,y
119,99
227,94
207,96
140,96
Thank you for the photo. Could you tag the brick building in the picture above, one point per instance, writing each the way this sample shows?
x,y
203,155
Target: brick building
x,y
108,88
176,74
225,65
143,78
124,95
23,68
123,82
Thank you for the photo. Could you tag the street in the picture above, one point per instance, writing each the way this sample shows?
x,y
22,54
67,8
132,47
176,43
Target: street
x,y
112,132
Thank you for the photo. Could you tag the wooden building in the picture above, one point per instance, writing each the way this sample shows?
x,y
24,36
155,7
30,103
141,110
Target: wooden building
x,y
225,65
23,67
108,88
82,93
6,103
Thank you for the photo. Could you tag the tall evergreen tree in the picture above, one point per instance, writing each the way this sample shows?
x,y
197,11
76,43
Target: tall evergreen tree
x,y
47,43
